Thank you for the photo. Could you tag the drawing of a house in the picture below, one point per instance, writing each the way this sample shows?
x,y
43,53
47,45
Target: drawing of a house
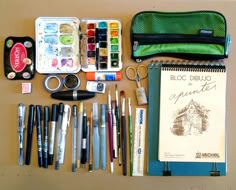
x,y
191,120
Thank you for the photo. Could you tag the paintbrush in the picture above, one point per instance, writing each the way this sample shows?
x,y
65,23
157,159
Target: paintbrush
x,y
117,112
110,132
114,126
123,133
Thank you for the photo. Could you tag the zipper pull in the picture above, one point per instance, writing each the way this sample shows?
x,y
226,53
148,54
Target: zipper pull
x,y
227,44
135,45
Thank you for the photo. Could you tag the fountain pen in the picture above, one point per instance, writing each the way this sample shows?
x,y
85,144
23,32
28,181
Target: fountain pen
x,y
73,95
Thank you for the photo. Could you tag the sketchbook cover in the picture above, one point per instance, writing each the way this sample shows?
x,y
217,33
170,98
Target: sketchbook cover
x,y
156,167
192,114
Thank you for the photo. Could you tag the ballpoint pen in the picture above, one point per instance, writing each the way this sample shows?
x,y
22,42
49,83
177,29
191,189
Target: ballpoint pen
x,y
90,144
79,132
39,134
96,138
21,127
74,130
64,126
30,126
88,135
114,127
109,120
103,136
123,133
45,140
130,136
53,123
84,139
117,113
58,133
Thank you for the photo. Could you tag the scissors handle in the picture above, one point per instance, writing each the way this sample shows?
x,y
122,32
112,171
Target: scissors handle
x,y
131,73
142,71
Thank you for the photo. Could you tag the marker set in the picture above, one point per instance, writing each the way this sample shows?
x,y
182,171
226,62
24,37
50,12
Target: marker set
x,y
66,45
101,45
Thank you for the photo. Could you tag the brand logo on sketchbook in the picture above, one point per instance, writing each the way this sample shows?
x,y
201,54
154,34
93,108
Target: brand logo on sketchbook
x,y
207,155
18,55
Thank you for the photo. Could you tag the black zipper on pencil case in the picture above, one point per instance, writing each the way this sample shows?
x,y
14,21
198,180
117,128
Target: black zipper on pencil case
x,y
188,56
150,39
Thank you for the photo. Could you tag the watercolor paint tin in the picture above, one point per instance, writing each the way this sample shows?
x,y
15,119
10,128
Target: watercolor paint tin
x,y
19,58
101,45
57,45
67,44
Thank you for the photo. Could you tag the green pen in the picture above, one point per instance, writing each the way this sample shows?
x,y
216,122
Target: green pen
x,y
130,136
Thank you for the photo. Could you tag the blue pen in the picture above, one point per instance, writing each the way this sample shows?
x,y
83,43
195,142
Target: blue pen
x,y
103,136
96,139
39,134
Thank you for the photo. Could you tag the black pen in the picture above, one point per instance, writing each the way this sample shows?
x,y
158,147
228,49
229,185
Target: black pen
x,y
45,132
52,133
84,139
39,134
73,95
30,126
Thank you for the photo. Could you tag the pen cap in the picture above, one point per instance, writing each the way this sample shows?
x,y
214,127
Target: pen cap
x,y
95,110
46,113
54,112
103,113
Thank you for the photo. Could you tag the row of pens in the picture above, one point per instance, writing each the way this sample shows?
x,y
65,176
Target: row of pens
x,y
88,134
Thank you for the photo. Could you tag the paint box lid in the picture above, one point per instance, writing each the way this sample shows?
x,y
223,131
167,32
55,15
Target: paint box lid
x,y
57,45
19,58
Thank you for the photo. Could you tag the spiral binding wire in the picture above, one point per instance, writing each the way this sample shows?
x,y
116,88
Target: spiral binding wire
x,y
189,65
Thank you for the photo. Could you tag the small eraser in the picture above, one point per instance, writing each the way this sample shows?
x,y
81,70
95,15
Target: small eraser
x,y
94,86
26,88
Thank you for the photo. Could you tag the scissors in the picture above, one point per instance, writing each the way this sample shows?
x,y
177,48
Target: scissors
x,y
137,74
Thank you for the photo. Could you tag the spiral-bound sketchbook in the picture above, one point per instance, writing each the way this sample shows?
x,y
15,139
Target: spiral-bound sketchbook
x,y
186,131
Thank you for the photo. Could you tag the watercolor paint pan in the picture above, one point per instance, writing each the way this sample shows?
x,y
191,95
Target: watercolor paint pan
x,y
57,45
101,45
67,45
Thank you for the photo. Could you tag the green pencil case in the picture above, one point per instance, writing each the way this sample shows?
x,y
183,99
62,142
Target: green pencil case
x,y
189,35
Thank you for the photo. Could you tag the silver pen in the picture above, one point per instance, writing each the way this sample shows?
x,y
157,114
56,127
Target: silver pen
x,y
64,126
74,130
21,127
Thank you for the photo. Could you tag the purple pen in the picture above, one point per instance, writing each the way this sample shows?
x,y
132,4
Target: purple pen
x,y
110,131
